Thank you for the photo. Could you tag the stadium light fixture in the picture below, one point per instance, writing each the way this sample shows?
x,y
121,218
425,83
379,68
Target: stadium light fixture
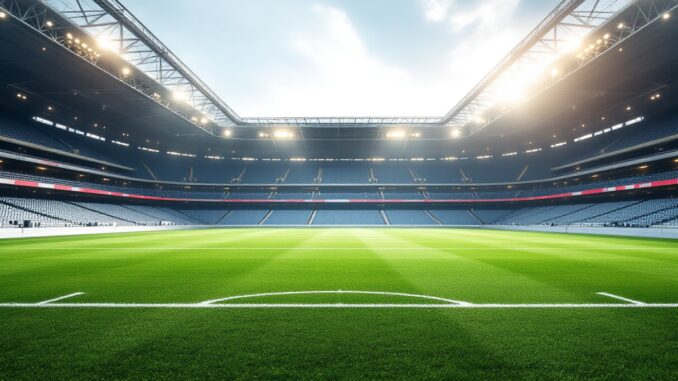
x,y
643,167
50,108
49,24
666,16
204,120
621,25
3,15
283,134
456,133
227,133
396,135
69,36
126,71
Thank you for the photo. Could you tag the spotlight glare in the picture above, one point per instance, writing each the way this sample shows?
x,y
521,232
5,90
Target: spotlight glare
x,y
3,15
105,43
666,16
554,72
283,134
396,135
179,96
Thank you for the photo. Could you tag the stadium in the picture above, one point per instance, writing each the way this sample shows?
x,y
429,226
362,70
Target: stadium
x,y
148,231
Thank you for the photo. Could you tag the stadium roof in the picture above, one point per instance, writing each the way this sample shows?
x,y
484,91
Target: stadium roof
x,y
561,32
133,58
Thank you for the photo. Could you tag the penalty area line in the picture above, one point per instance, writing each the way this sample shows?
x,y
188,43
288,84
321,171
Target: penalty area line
x,y
613,296
44,302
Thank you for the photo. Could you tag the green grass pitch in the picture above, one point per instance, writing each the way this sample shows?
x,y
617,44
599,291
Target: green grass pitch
x,y
478,267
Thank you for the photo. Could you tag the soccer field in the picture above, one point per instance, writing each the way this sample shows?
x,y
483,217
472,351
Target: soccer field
x,y
339,304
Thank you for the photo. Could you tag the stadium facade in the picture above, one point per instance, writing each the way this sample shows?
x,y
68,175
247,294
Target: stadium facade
x,y
101,124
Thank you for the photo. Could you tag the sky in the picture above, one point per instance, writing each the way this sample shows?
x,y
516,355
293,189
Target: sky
x,y
287,58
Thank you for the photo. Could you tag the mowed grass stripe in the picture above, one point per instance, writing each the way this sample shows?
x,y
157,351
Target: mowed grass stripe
x,y
474,265
451,271
471,265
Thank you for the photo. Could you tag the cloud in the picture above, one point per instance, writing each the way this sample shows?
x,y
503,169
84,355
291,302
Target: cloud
x,y
337,74
461,15
483,15
436,10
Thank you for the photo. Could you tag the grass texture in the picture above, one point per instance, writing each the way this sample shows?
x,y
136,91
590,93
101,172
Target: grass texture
x,y
476,266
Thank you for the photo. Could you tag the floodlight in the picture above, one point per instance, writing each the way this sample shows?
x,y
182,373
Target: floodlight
x,y
396,135
49,24
227,133
666,16
456,133
3,15
283,134
126,71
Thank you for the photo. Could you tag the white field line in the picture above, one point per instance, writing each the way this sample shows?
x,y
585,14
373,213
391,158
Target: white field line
x,y
341,306
399,248
322,292
451,304
613,296
60,298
